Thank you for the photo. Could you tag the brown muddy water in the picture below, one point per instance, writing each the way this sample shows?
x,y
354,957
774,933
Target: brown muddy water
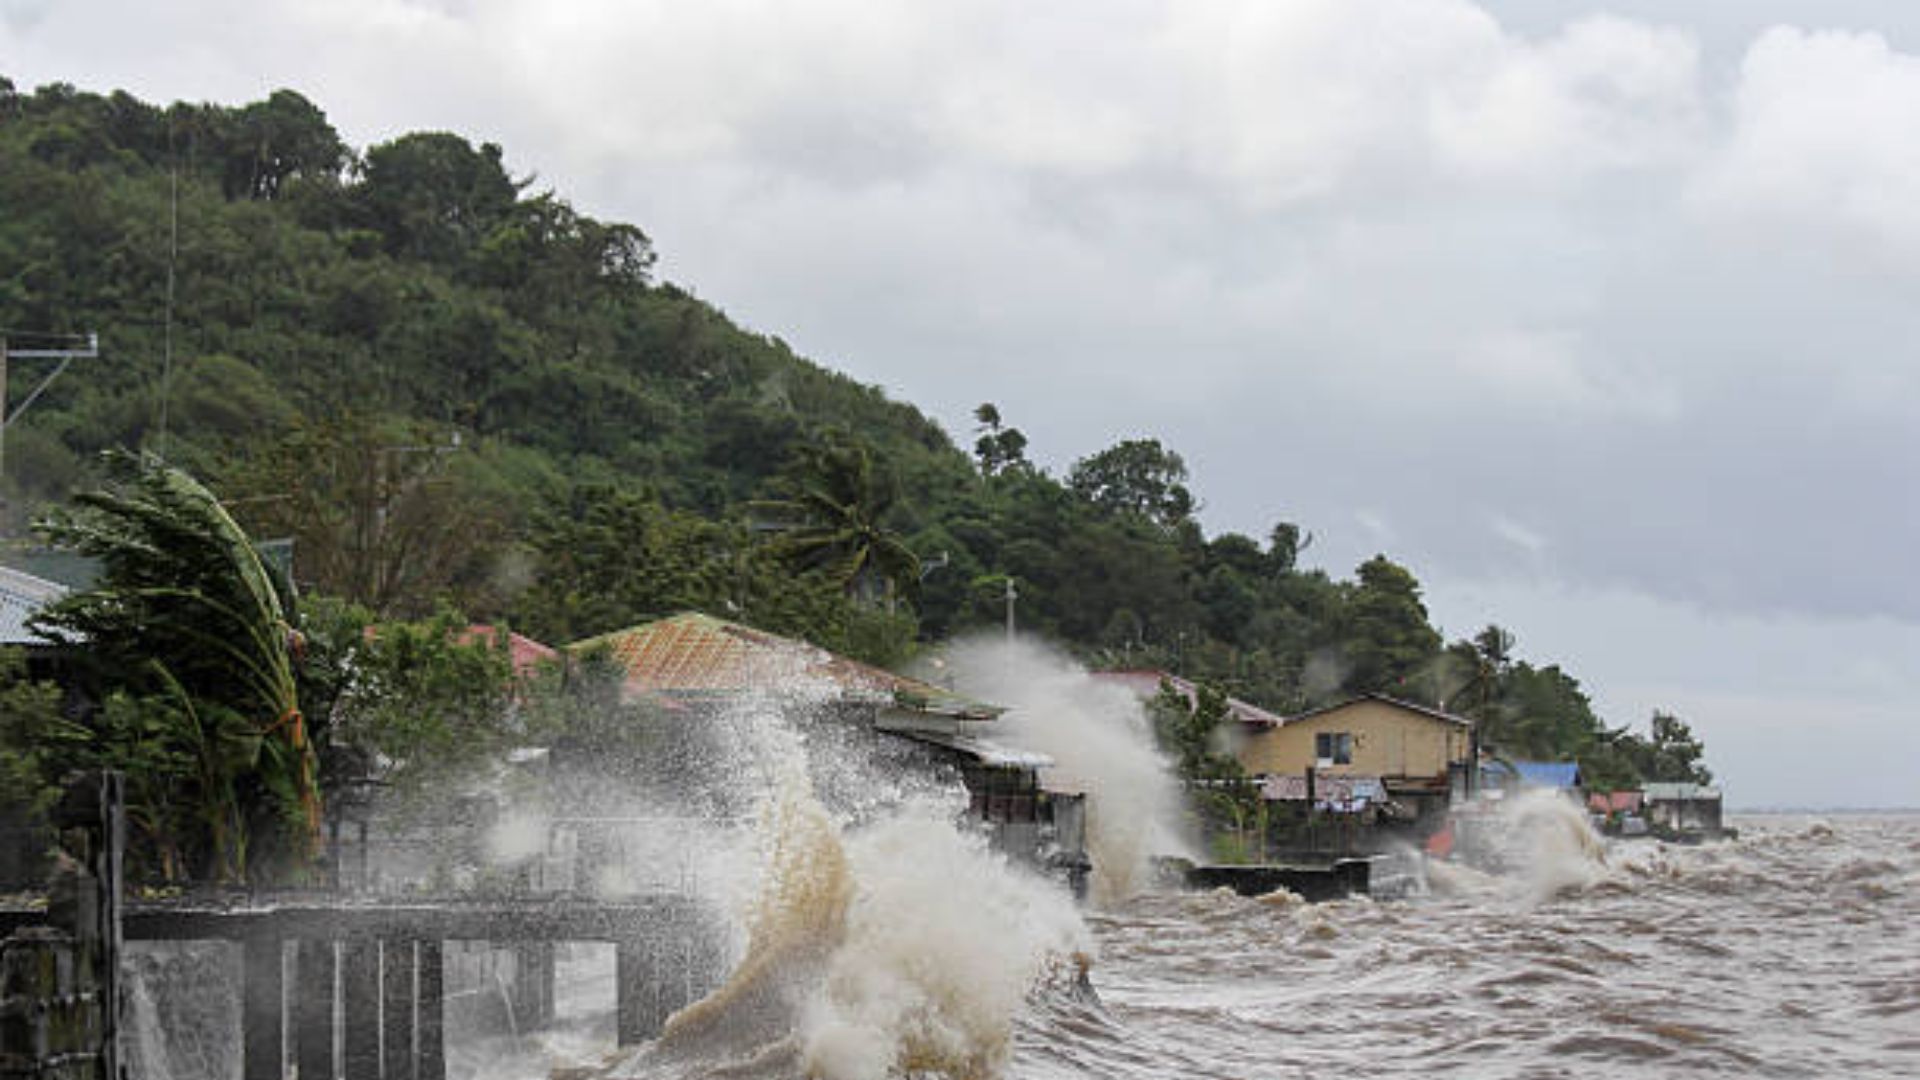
x,y
1791,952
906,948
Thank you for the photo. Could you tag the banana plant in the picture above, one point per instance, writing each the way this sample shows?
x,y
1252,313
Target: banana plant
x,y
186,610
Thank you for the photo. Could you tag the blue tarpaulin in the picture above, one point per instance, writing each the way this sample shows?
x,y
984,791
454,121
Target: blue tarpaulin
x,y
1548,774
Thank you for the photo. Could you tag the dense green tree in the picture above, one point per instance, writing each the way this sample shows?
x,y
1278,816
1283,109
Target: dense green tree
x,y
429,700
998,447
607,559
1673,753
1137,476
1284,545
392,516
830,517
279,141
1387,636
31,724
434,196
1543,714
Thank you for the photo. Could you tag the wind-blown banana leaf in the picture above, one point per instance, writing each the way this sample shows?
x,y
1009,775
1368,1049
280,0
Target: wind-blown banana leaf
x,y
186,608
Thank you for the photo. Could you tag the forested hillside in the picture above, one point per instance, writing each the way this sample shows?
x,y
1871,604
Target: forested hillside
x,y
451,388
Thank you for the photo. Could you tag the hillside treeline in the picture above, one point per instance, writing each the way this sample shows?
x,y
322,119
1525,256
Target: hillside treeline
x,y
453,390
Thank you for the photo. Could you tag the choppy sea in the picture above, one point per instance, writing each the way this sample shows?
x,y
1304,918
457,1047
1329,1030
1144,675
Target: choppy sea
x,y
1793,951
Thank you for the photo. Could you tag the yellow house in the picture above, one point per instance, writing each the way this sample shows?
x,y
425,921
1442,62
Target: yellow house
x,y
1375,735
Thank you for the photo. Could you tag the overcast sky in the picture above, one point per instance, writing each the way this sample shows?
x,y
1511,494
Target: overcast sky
x,y
1598,316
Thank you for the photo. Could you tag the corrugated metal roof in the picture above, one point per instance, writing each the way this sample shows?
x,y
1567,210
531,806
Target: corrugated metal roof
x,y
1548,774
1679,792
1423,710
21,595
68,568
984,751
1146,684
691,653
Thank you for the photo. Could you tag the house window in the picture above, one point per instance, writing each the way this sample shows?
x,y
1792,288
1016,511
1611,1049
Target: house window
x,y
1333,748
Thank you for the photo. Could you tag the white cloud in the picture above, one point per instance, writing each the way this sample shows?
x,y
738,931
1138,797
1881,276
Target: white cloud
x,y
1527,540
1557,370
1825,136
1605,94
20,16
1374,524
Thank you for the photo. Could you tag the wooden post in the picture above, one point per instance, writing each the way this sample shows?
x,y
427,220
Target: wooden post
x,y
396,1008
430,1025
360,1008
91,817
315,965
263,981
108,866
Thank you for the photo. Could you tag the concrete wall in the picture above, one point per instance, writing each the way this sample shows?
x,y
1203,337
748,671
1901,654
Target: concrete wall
x,y
1387,741
52,1018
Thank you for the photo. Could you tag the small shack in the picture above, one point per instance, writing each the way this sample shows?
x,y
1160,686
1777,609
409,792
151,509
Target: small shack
x,y
1414,751
1682,810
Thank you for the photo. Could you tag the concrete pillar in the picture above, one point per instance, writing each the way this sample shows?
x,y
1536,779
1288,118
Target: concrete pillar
x,y
263,989
50,1008
637,1015
396,1009
316,965
659,976
360,1008
430,1062
533,984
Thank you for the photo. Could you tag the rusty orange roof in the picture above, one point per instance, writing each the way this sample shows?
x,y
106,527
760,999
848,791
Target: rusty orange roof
x,y
695,654
525,654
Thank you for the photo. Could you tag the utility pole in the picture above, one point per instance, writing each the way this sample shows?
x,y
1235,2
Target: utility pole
x,y
65,355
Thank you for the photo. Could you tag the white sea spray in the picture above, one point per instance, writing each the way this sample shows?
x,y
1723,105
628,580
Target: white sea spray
x,y
900,943
1101,741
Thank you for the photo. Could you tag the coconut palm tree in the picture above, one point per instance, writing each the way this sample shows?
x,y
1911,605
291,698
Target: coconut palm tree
x,y
830,517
